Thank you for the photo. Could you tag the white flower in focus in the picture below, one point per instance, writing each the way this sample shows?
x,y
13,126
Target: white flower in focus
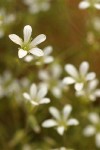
x,y
28,45
90,91
94,128
61,120
37,95
78,78
35,6
89,3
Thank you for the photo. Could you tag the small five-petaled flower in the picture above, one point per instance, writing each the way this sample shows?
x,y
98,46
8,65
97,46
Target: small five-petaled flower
x,y
28,46
36,95
61,119
78,78
93,128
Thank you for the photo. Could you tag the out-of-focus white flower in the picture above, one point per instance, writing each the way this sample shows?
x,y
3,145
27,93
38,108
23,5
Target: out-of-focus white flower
x,y
36,95
78,78
9,85
28,45
94,128
26,147
51,78
89,3
96,23
28,58
35,6
62,148
5,20
90,91
14,87
24,82
61,119
46,59
5,80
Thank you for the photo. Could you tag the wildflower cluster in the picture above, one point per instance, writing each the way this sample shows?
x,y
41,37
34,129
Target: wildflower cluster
x,y
47,102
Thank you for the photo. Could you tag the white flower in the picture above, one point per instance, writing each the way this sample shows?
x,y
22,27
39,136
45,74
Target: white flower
x,y
28,58
62,148
6,18
8,85
36,95
61,119
94,128
35,6
51,78
46,59
78,78
89,3
28,45
96,23
90,90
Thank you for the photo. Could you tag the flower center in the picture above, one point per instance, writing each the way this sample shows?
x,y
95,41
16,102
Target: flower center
x,y
26,46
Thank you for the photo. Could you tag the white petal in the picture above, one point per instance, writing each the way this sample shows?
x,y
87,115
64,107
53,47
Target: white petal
x,y
60,130
84,68
27,33
72,122
56,91
79,86
39,39
71,70
80,93
33,90
47,50
68,80
84,5
49,123
44,101
27,96
42,92
67,110
56,71
92,97
36,51
48,59
93,84
97,6
16,39
28,58
97,140
22,53
54,112
43,75
97,93
94,118
34,103
90,76
89,130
